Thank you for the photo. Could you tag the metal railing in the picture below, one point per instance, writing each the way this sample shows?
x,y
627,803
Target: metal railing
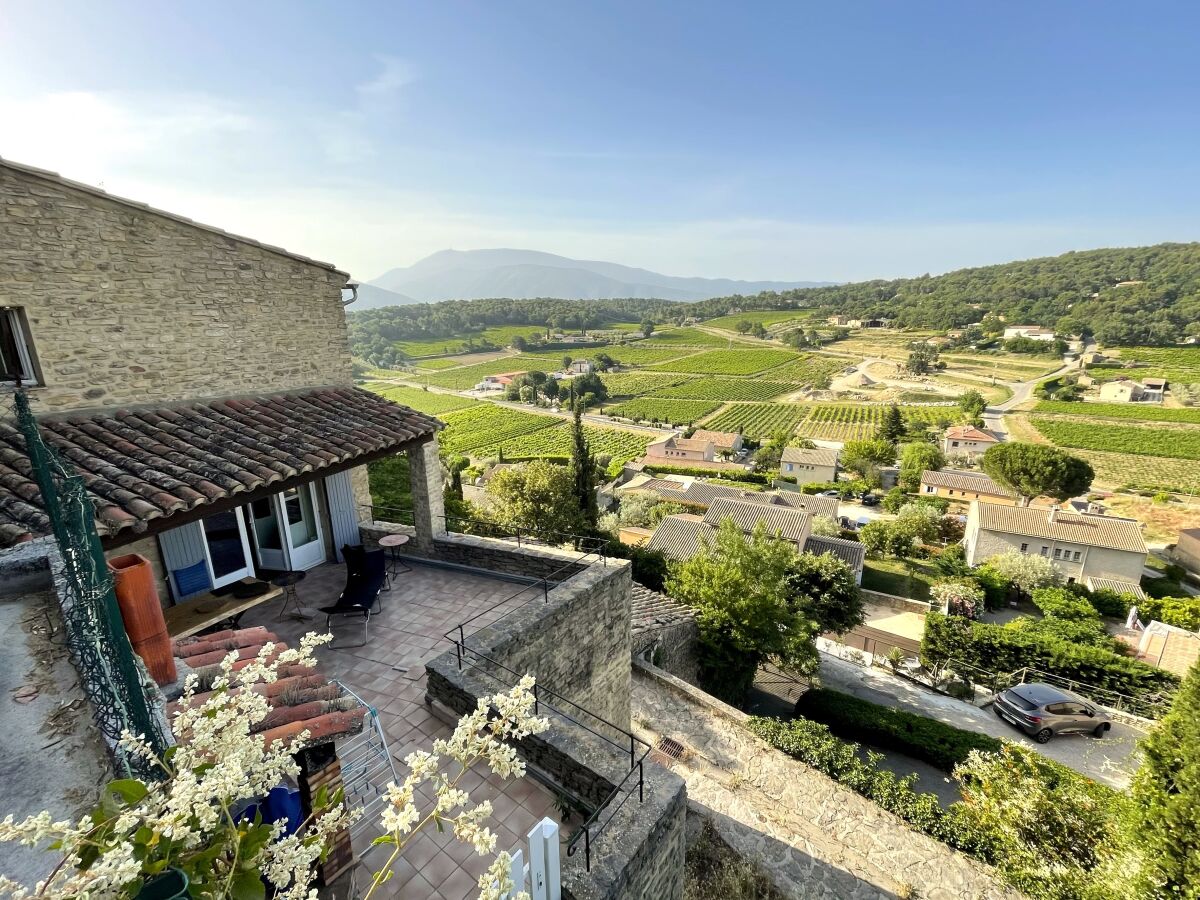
x,y
620,738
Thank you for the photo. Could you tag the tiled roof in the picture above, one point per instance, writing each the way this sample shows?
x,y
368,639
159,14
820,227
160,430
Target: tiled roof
x,y
1069,527
970,433
144,464
852,553
790,524
815,504
813,456
702,494
650,610
679,443
301,699
718,438
678,536
54,177
957,480
1116,586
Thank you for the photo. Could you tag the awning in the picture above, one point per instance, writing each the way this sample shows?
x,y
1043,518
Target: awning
x,y
140,465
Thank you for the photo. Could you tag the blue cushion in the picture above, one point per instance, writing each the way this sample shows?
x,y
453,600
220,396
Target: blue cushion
x,y
192,580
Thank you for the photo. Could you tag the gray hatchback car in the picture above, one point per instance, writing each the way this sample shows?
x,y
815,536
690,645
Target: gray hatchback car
x,y
1042,711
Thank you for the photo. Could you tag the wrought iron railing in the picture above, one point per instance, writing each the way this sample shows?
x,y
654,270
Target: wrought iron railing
x,y
472,525
95,631
621,739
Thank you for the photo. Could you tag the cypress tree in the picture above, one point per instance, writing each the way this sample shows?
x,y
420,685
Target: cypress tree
x,y
1166,795
583,471
891,429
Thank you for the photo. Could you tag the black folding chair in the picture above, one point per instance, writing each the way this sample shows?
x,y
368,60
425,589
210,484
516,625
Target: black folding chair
x,y
365,576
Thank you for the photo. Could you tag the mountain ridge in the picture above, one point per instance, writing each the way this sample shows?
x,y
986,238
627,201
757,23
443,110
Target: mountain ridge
x,y
527,274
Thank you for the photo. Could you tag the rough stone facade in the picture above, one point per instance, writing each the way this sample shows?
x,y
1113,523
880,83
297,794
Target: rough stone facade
x,y
126,305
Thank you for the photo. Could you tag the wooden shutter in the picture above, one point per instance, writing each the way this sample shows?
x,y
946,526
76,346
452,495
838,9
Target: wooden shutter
x,y
182,547
343,514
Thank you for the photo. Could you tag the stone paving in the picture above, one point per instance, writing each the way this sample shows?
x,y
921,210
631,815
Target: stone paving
x,y
815,838
389,674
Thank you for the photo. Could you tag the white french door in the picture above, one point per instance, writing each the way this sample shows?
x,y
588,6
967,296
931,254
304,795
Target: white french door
x,y
287,529
227,551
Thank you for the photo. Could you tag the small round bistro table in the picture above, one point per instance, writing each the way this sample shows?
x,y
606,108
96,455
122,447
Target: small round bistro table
x,y
391,544
288,581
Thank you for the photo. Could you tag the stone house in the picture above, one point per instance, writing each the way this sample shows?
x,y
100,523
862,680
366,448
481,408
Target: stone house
x,y
679,449
199,380
722,441
818,464
963,486
1083,546
1187,549
1124,390
968,441
1153,389
581,367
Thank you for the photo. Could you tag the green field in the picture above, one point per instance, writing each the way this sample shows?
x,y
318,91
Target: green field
x,y
685,337
764,317
809,370
746,361
620,446
422,401
674,412
466,377
1143,412
1172,363
726,389
438,362
1176,443
859,421
758,420
1144,472
630,384
488,425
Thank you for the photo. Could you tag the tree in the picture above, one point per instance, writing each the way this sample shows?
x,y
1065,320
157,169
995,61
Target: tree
x,y
823,589
520,344
922,359
537,497
891,429
589,389
958,597
823,526
744,325
647,327
1028,571
866,457
1034,470
566,362
766,458
916,459
738,585
583,472
1166,795
972,404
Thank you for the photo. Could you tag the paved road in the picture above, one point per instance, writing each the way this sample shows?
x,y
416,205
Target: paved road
x,y
1110,760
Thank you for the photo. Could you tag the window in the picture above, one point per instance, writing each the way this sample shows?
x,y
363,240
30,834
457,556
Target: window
x,y
1024,548
1057,553
929,488
1045,551
1075,556
954,443
16,357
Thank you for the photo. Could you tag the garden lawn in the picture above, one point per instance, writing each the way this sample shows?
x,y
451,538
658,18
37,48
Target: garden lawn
x,y
747,361
891,576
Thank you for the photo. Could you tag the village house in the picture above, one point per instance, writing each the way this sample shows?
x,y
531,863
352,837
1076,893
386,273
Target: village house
x,y
723,441
839,320
1033,332
959,486
816,464
1123,390
680,449
581,367
968,441
1153,389
698,494
1087,549
498,382
1187,550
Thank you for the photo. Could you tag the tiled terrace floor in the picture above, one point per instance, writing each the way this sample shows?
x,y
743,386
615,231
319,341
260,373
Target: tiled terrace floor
x,y
389,673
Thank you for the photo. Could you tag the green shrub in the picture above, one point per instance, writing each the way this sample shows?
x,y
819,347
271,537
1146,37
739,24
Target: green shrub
x,y
995,648
1160,588
1060,603
922,738
1078,631
1110,603
1182,612
995,587
728,475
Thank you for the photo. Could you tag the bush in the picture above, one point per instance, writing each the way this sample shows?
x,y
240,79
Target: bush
x,y
1110,603
1182,612
728,475
1160,588
1078,631
922,738
1063,604
995,648
845,489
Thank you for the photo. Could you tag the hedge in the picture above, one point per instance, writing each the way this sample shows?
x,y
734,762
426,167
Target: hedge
x,y
995,648
1060,603
920,737
699,471
1182,612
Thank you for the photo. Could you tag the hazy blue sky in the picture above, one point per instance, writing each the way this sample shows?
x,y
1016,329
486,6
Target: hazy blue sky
x,y
838,140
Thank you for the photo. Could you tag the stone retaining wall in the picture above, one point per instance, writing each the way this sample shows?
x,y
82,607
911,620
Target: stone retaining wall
x,y
892,601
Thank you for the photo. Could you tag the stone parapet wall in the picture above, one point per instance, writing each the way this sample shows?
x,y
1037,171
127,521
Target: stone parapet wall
x,y
892,601
126,306
672,647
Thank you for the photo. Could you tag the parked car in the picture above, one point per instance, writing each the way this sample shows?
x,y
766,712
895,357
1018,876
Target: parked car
x,y
869,500
830,494
1042,711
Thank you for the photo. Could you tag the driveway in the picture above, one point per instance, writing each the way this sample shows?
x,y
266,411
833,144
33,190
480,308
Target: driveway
x,y
1110,760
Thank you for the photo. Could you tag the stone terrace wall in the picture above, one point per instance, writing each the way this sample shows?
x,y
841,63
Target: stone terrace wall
x,y
126,306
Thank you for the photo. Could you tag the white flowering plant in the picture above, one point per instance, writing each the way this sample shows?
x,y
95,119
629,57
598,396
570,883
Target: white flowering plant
x,y
188,820
485,735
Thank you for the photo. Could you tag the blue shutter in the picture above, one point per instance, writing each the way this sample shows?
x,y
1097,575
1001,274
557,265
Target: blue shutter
x,y
182,548
343,514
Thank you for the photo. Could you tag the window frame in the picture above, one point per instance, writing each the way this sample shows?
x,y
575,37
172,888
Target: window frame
x,y
18,324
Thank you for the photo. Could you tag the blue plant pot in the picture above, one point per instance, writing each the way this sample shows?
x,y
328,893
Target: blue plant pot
x,y
169,885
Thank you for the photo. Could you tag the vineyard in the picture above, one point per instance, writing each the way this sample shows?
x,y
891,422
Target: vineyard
x,y
1172,363
422,401
726,389
686,337
488,425
1143,412
1144,472
466,377
729,362
674,412
438,362
858,421
630,384
764,317
620,446
811,370
1178,443
758,420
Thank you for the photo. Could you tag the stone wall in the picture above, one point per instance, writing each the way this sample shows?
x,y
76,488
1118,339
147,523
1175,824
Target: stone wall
x,y
128,306
892,601
672,647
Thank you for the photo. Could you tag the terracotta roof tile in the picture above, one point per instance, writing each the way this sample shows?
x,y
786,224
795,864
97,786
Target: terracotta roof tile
x,y
1068,527
144,464
959,480
650,610
811,456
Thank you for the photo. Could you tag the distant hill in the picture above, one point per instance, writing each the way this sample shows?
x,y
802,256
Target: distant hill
x,y
525,274
372,297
